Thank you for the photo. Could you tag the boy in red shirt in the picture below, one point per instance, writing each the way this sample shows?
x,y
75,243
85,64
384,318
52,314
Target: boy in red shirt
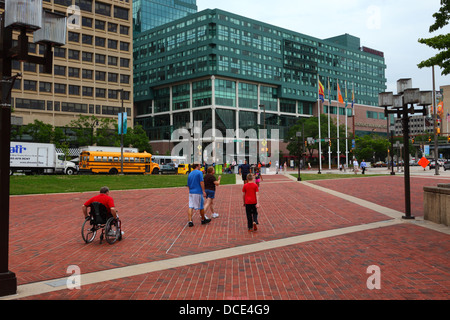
x,y
251,202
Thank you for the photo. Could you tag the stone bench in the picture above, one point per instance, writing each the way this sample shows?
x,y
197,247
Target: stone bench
x,y
436,203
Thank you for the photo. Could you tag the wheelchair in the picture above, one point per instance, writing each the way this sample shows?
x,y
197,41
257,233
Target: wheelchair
x,y
100,220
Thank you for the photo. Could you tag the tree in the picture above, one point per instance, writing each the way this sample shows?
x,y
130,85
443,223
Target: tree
x,y
137,138
311,129
370,146
439,42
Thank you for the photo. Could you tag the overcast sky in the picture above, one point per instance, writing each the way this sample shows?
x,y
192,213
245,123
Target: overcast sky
x,y
390,26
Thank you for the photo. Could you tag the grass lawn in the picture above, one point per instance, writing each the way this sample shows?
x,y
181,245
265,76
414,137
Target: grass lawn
x,y
20,185
325,176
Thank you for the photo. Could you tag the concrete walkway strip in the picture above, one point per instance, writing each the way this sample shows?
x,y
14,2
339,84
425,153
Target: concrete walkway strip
x,y
47,286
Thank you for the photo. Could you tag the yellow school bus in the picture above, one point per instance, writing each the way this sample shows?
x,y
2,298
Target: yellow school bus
x,y
110,162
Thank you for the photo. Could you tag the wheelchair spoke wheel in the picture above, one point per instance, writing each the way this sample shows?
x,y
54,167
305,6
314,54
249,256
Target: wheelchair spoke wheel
x,y
88,231
112,231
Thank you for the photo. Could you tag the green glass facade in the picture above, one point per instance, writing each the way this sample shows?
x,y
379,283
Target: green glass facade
x,y
148,14
227,65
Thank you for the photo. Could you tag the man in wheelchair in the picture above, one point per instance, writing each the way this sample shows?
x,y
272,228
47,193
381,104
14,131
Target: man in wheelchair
x,y
102,215
105,199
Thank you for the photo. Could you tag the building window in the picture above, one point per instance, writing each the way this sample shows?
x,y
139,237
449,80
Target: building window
x,y
100,75
87,74
100,58
124,30
88,91
73,37
124,63
102,8
124,46
248,95
86,22
74,72
112,44
59,70
85,5
74,90
86,56
60,88
112,61
202,93
225,92
100,25
120,13
100,93
181,96
87,39
29,85
113,77
112,27
74,54
100,42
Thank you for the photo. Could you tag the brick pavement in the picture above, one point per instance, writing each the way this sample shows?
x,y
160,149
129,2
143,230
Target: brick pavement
x,y
45,240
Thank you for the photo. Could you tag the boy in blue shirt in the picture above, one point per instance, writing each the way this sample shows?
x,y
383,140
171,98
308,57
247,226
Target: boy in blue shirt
x,y
196,193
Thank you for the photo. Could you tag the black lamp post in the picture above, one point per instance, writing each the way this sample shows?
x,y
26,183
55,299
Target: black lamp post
x,y
299,147
400,105
49,30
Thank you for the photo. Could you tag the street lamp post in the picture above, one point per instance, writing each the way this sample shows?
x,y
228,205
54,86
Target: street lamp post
x,y
49,30
299,135
400,106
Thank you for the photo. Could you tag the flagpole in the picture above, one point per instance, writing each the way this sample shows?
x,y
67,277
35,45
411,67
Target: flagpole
x,y
346,126
318,116
338,149
329,131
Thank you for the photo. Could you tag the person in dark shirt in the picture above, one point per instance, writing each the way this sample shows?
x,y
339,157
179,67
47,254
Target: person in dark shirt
x,y
210,189
244,170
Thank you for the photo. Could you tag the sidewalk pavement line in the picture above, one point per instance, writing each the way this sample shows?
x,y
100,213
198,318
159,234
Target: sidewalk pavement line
x,y
51,285
419,221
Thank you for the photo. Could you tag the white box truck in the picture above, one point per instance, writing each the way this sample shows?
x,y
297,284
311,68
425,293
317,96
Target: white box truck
x,y
38,158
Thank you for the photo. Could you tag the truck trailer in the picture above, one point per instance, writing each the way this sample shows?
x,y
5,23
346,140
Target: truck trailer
x,y
38,158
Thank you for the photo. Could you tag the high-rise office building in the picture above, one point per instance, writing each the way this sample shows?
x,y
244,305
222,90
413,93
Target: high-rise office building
x,y
219,68
148,14
89,72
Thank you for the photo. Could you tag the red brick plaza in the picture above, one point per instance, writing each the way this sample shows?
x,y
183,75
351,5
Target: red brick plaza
x,y
315,241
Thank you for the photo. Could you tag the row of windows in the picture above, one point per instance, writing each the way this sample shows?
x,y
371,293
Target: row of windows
x,y
99,41
61,88
35,104
117,159
101,25
99,7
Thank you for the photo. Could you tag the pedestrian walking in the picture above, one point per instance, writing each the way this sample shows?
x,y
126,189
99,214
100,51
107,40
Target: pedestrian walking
x,y
244,170
196,187
258,177
363,166
251,202
210,189
355,165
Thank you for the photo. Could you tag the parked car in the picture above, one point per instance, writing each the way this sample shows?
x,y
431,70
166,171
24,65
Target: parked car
x,y
167,168
413,163
432,164
446,165
379,164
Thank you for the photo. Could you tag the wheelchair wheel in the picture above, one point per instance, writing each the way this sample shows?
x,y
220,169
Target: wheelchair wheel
x,y
112,231
88,231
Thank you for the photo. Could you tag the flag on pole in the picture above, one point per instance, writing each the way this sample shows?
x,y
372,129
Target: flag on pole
x,y
321,92
340,99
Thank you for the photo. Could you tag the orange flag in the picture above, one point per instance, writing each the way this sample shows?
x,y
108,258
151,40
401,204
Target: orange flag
x,y
341,100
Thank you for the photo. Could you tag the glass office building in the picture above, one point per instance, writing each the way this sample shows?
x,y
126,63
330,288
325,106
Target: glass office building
x,y
219,68
148,14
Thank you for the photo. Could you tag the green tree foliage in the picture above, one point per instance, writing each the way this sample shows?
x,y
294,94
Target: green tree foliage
x,y
372,145
439,42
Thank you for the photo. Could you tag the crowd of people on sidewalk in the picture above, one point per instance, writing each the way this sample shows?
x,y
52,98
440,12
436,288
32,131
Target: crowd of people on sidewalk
x,y
201,187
